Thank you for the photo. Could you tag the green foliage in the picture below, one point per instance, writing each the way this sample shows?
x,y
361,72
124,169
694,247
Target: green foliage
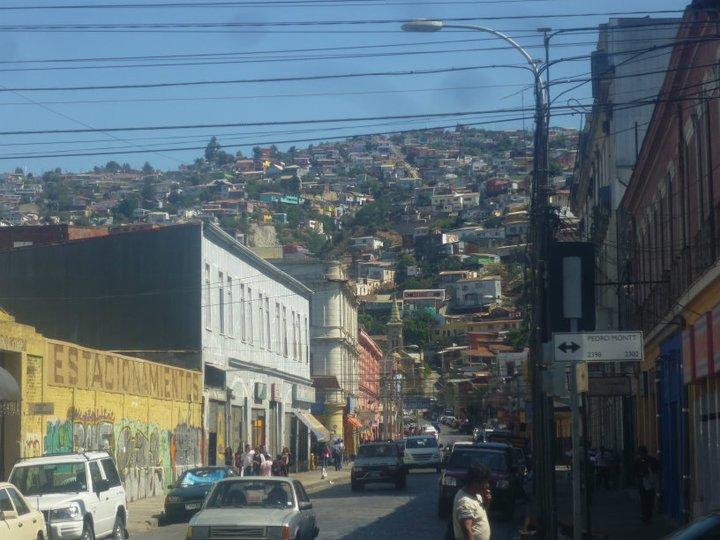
x,y
212,149
148,193
147,168
257,152
124,210
372,217
417,329
518,338
555,169
372,324
113,167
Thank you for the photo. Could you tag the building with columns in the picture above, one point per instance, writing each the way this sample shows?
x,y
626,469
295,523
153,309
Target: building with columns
x,y
333,344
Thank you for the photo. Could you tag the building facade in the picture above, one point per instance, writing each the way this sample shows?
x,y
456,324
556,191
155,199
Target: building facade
x,y
333,344
672,257
69,398
189,296
370,358
608,149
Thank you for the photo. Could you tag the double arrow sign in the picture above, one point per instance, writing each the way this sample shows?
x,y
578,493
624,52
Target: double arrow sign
x,y
565,347
598,347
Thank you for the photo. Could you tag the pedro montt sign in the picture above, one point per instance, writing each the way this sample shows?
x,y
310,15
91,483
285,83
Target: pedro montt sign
x,y
598,347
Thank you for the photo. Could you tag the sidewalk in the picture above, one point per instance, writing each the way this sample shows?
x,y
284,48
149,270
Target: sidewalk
x,y
615,513
145,513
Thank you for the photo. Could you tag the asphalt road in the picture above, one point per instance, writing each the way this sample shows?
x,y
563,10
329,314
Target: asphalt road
x,y
378,513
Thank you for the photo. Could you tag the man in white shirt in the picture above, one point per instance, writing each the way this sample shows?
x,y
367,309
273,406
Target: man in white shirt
x,y
247,461
469,517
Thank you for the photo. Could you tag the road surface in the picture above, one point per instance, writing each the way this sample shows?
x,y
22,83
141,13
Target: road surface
x,y
377,513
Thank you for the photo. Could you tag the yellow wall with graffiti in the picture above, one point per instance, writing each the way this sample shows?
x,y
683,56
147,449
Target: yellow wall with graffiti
x,y
148,415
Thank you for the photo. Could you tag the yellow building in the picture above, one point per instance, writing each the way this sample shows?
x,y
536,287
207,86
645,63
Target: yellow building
x,y
147,415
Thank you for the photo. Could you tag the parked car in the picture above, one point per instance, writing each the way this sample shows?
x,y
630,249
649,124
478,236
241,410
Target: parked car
x,y
255,507
422,451
187,495
18,520
505,479
379,463
80,495
702,528
427,429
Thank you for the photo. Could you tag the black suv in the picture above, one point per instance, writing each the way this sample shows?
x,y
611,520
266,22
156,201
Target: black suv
x,y
506,481
379,463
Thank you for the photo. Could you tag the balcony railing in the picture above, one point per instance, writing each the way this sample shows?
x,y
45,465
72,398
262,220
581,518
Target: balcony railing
x,y
689,264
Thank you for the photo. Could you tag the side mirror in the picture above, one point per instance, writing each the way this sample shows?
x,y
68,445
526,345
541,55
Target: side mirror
x,y
305,506
102,485
9,514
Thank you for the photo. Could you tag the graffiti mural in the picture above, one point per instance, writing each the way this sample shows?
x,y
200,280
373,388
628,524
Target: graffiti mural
x,y
148,457
59,437
140,461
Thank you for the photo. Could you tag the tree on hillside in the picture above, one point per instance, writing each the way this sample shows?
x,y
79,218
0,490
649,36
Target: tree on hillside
x,y
257,152
148,193
126,168
18,170
125,209
212,149
113,167
147,168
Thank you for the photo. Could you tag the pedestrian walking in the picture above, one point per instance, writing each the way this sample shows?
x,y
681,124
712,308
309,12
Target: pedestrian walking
x,y
469,515
338,451
285,459
647,470
266,466
247,460
603,461
228,456
324,453
258,459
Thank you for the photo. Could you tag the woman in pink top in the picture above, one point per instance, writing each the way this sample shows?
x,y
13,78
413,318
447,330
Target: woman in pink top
x,y
266,466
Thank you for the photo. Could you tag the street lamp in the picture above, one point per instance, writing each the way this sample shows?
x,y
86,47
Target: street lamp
x,y
539,242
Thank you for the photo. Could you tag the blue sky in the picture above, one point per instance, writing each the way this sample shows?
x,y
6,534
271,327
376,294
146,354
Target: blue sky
x,y
473,90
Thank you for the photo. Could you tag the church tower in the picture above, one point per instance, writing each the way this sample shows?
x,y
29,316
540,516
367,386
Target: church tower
x,y
395,329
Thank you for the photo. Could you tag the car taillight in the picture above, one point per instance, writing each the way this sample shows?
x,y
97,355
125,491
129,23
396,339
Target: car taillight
x,y
286,532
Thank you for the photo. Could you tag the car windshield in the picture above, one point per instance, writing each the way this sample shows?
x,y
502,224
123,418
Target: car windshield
x,y
251,494
50,478
425,442
464,458
196,477
378,450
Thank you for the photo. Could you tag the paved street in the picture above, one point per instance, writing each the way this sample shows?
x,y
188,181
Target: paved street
x,y
379,512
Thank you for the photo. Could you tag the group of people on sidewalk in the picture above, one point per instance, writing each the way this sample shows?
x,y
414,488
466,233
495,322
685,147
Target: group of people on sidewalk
x,y
249,461
330,450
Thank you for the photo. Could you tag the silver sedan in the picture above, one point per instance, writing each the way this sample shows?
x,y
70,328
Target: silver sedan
x,y
255,507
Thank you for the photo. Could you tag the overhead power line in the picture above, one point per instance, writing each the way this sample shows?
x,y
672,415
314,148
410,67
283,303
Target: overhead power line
x,y
258,3
336,22
261,80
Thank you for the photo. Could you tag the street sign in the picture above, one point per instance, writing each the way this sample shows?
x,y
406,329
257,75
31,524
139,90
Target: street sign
x,y
609,386
598,347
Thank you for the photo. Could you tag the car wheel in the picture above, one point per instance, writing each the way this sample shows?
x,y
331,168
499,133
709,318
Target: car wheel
x,y
88,533
443,511
119,532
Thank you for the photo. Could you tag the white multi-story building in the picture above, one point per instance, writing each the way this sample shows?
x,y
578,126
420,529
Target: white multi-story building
x,y
474,292
333,342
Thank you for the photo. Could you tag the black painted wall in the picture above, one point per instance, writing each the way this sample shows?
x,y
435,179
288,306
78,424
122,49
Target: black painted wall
x,y
127,291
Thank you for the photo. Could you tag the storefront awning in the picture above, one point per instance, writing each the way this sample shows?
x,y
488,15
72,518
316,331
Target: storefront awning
x,y
354,422
9,389
313,424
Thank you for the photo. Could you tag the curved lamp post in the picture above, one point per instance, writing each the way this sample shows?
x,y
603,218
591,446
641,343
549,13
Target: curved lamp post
x,y
538,238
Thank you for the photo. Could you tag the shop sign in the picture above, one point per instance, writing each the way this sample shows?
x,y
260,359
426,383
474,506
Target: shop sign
x,y
609,386
276,392
303,394
687,355
9,343
87,369
41,409
260,391
701,347
715,337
